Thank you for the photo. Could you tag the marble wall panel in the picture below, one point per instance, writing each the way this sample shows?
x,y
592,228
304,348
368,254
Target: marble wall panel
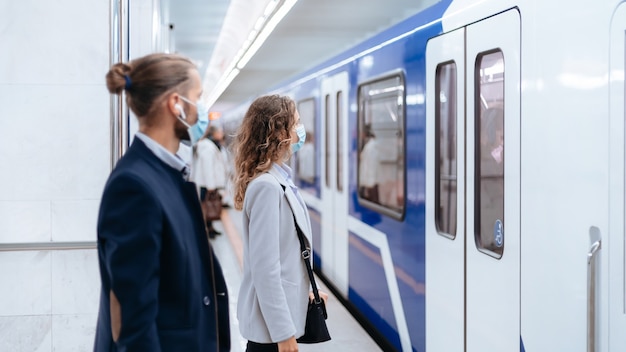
x,y
75,282
73,333
57,147
74,220
26,283
26,333
54,42
24,221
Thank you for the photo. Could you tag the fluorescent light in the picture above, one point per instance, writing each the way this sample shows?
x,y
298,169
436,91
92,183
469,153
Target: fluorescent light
x,y
261,31
270,8
221,87
259,23
265,32
251,36
495,69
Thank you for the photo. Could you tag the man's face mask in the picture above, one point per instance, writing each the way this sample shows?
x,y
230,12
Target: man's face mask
x,y
197,130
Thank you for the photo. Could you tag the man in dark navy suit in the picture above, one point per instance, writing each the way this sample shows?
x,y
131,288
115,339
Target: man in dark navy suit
x,y
162,287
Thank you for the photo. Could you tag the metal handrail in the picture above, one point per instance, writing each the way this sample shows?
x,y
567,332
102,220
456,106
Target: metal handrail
x,y
124,57
118,52
591,296
114,49
46,246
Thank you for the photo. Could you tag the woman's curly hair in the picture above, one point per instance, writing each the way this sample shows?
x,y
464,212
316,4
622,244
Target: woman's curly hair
x,y
263,138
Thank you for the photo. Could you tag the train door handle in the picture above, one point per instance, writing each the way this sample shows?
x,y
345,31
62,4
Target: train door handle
x,y
591,295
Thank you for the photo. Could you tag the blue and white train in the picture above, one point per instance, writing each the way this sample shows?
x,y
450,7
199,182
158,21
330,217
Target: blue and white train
x,y
466,179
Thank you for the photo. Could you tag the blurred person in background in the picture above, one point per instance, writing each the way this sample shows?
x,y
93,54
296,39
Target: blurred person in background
x,y
211,168
369,166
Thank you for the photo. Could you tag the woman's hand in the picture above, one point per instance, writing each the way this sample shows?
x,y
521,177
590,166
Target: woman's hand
x,y
323,296
289,345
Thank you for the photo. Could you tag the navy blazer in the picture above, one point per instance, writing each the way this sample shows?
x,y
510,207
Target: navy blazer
x,y
169,290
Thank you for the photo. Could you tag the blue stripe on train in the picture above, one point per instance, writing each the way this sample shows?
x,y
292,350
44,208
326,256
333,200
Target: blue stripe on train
x,y
368,287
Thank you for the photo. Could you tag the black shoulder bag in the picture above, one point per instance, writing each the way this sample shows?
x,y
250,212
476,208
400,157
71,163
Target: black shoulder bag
x,y
315,329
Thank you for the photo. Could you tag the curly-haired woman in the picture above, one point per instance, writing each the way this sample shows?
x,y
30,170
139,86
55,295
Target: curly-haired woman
x,y
274,292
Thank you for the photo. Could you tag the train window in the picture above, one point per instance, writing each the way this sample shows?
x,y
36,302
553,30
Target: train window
x,y
489,153
307,170
380,176
340,124
327,141
445,149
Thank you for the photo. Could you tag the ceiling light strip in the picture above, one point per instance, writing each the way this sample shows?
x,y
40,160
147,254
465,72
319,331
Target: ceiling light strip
x,y
268,28
264,26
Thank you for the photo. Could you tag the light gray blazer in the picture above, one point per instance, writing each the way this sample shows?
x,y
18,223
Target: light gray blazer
x,y
274,292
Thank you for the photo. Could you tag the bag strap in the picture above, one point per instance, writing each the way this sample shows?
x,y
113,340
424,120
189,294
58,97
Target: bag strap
x,y
306,254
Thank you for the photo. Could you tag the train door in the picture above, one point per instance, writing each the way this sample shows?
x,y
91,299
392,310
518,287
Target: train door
x,y
493,184
334,180
445,193
473,208
616,246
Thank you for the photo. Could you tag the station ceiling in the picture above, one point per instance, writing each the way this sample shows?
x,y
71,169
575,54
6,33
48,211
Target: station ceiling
x,y
311,32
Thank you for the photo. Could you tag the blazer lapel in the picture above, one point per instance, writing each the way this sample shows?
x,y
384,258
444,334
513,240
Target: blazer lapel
x,y
294,203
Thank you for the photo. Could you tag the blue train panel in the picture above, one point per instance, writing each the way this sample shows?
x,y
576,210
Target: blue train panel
x,y
398,50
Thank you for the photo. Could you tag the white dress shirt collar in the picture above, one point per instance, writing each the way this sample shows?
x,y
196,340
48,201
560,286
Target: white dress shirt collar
x,y
165,155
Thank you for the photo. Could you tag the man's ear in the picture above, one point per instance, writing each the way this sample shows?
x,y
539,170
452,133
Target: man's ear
x,y
174,105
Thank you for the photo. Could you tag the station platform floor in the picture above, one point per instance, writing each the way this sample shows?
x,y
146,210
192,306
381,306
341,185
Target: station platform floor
x,y
346,333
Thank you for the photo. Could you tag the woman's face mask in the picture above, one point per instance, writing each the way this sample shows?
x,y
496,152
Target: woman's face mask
x,y
301,132
197,130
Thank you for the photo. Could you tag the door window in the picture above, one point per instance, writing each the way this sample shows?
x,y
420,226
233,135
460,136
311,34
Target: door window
x,y
306,165
489,150
327,139
340,132
445,149
381,145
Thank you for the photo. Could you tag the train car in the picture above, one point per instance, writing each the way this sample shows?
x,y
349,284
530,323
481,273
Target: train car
x,y
464,170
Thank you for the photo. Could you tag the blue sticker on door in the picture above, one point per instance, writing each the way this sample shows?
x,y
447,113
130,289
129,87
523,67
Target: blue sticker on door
x,y
498,233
